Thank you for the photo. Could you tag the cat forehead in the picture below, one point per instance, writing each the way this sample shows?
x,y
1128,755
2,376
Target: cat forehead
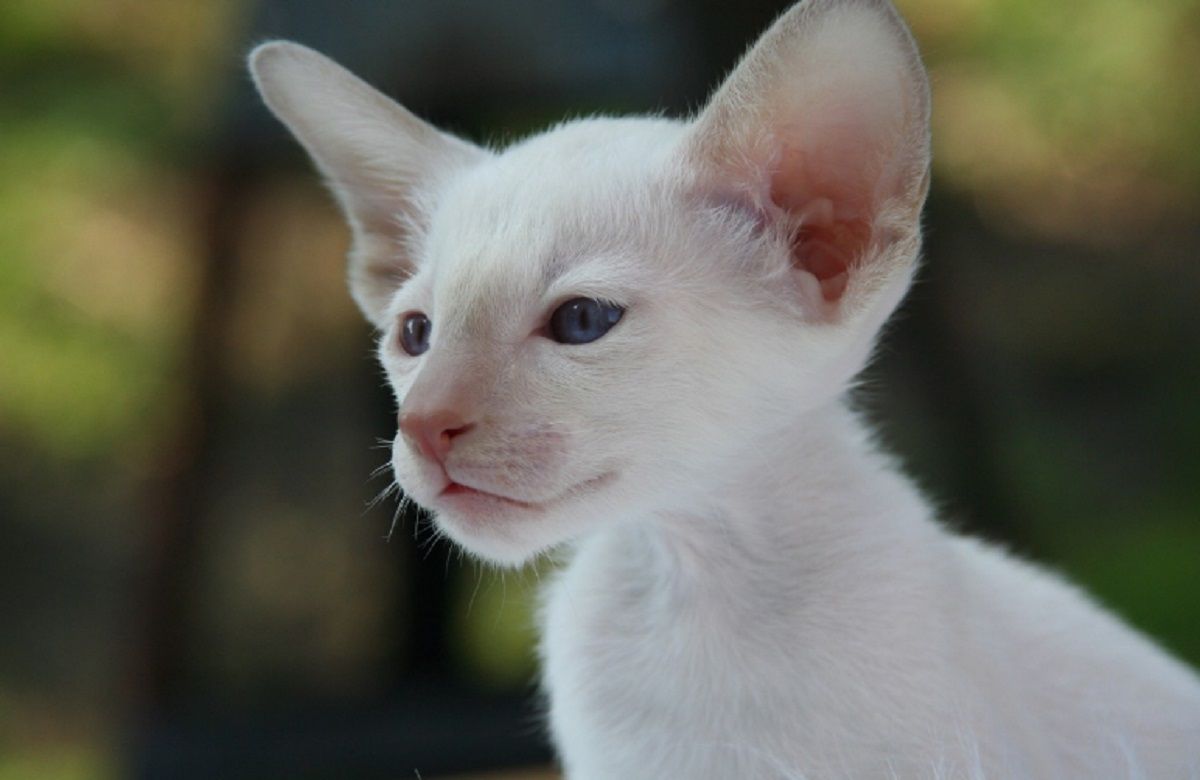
x,y
608,149
539,207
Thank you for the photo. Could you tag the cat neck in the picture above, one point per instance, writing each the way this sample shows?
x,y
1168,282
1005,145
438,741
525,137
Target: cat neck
x,y
817,499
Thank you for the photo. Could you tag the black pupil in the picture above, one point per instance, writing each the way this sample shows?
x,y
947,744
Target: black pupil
x,y
582,320
414,334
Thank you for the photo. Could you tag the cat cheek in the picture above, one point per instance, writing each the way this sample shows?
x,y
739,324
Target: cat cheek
x,y
533,462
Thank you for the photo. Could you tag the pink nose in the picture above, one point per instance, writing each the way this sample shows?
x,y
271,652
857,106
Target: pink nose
x,y
433,432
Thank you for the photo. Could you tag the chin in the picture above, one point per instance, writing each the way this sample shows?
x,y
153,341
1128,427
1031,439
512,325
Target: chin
x,y
510,532
498,539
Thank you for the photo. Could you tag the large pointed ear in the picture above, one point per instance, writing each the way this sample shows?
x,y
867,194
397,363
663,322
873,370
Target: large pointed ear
x,y
382,163
823,130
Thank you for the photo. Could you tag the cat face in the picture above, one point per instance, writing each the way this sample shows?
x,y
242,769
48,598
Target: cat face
x,y
741,264
557,436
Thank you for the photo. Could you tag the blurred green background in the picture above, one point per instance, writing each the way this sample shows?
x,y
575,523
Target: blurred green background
x,y
189,415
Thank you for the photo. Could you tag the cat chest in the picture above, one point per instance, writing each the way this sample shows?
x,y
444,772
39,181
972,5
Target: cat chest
x,y
636,673
629,673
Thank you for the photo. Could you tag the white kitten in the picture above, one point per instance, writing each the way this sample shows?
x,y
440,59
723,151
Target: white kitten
x,y
632,338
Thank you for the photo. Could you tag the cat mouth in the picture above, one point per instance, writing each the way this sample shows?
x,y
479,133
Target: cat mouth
x,y
456,495
457,492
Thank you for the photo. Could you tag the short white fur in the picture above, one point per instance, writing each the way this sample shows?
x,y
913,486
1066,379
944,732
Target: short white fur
x,y
751,589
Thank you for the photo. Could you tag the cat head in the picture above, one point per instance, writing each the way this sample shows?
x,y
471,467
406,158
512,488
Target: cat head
x,y
594,323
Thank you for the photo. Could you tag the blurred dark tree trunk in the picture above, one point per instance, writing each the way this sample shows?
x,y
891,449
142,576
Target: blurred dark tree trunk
x,y
179,490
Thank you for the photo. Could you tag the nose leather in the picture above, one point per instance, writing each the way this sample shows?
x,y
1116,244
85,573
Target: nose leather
x,y
433,433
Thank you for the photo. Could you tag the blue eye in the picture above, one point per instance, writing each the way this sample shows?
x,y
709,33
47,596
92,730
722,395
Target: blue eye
x,y
582,320
414,333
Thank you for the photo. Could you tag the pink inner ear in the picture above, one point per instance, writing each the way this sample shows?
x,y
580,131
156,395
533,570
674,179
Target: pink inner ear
x,y
832,215
829,252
